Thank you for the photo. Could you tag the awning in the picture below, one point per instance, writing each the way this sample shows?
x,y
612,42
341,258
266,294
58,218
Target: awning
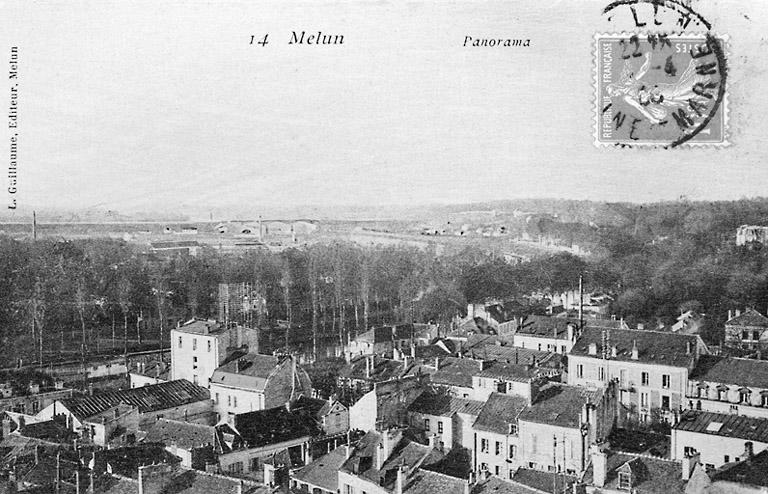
x,y
764,392
702,385
745,391
722,387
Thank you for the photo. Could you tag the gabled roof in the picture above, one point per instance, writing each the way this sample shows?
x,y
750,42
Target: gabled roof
x,y
750,471
546,327
428,482
560,405
499,411
185,435
324,471
444,406
249,371
201,326
126,461
654,347
496,485
384,369
146,398
509,372
749,317
731,370
455,371
274,425
545,481
725,425
649,475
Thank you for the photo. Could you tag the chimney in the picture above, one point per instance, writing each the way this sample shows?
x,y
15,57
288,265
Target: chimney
x,y
689,463
635,351
614,351
368,366
413,350
599,467
738,312
77,481
405,362
730,314
570,332
432,441
592,350
240,487
6,427
437,363
749,450
400,482
92,486
688,347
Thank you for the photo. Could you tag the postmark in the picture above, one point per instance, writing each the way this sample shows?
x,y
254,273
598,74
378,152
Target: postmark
x,y
661,90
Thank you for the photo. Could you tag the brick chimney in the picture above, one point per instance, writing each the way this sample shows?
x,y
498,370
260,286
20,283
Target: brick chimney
x,y
635,351
153,479
689,463
400,481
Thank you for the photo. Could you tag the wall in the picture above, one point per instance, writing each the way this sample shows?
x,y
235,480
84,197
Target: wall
x,y
537,445
352,484
632,383
139,380
199,412
337,420
231,401
713,448
497,463
362,415
182,358
543,344
446,437
246,456
32,404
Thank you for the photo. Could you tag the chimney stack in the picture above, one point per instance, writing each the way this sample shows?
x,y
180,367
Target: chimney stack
x,y
749,450
368,366
400,482
599,467
689,463
688,347
635,351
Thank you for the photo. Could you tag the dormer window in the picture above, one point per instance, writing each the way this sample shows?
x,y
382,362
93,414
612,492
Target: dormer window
x,y
625,480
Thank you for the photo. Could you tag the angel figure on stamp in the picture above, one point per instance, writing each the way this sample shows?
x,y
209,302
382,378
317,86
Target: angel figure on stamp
x,y
656,102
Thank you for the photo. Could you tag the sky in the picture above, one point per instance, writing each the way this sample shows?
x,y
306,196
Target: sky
x,y
136,105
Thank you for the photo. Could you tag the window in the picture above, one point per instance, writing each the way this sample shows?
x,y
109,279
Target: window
x,y
348,489
217,398
194,378
734,409
209,346
744,398
745,335
426,424
534,446
722,394
562,349
498,470
229,400
539,346
194,362
644,400
764,400
580,371
665,381
512,450
665,403
726,459
601,373
194,343
513,428
625,480
498,448
483,445
179,341
756,335
236,467
689,451
255,464
234,402
439,426
644,379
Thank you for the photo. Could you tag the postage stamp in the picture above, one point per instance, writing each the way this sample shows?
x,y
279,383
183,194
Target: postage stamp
x,y
660,90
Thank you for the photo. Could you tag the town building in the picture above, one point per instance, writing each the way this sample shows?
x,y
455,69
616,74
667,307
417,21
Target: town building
x,y
178,399
386,405
651,367
448,417
729,385
116,426
719,438
748,329
384,462
544,333
198,348
496,441
749,475
257,382
382,340
197,445
556,429
618,473
320,476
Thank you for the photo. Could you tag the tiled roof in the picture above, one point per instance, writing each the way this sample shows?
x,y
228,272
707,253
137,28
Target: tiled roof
x,y
731,370
249,371
559,405
324,471
427,482
406,453
649,475
544,481
726,425
546,327
499,412
384,369
185,435
752,471
147,398
749,317
496,485
274,425
200,326
444,406
127,460
456,372
654,347
186,482
516,355
509,372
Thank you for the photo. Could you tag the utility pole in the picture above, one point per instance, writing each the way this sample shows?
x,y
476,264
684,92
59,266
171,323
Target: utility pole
x,y
34,225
